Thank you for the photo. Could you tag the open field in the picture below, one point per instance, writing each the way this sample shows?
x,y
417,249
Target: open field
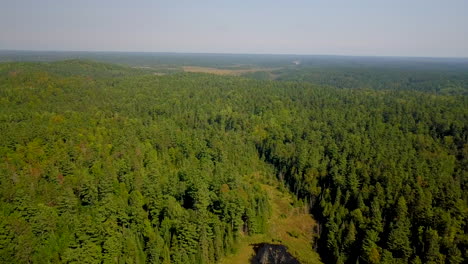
x,y
232,72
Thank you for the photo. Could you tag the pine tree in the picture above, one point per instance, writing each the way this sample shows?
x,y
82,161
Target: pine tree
x,y
398,240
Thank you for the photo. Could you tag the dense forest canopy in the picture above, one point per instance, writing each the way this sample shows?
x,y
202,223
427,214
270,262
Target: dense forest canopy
x,y
437,75
104,163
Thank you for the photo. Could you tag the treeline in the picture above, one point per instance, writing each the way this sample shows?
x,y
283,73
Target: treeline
x,y
385,173
143,168
437,79
113,170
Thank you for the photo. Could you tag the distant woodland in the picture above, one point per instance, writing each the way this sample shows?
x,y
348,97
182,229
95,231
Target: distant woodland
x,y
105,163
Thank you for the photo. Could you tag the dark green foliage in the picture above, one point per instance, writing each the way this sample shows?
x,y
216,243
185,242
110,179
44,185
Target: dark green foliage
x,y
121,169
432,77
385,180
105,164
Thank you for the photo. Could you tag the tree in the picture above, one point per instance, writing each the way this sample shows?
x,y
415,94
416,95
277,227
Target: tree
x,y
398,240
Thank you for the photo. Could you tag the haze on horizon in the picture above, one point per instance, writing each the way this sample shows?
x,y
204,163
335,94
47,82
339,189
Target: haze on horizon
x,y
431,28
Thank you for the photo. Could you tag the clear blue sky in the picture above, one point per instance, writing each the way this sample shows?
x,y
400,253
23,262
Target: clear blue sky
x,y
435,28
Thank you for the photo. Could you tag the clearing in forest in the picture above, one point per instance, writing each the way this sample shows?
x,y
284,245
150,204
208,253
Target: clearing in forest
x,y
233,72
289,225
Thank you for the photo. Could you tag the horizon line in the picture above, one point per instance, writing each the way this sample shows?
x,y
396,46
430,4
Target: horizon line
x,y
232,53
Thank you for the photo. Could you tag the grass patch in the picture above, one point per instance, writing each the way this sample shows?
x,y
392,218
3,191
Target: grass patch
x,y
290,225
218,71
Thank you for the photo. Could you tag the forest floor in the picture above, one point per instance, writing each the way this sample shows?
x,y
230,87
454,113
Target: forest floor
x,y
289,225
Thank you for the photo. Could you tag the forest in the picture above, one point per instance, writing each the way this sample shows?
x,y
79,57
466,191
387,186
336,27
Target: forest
x,y
107,163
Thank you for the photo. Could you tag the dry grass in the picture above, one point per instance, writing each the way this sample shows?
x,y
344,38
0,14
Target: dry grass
x,y
232,72
288,225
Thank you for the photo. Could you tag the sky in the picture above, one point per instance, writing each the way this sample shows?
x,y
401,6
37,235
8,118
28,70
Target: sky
x,y
427,28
